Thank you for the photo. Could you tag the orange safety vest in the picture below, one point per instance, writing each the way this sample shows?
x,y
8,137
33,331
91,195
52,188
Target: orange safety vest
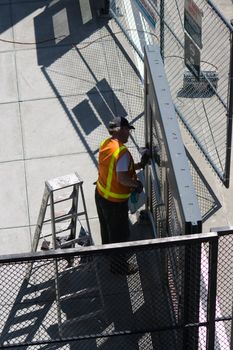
x,y
107,184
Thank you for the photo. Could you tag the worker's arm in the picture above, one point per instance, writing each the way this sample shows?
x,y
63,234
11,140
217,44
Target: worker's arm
x,y
123,175
134,185
124,179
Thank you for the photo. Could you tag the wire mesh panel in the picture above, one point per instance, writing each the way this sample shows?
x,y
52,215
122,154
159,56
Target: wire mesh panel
x,y
224,300
201,104
204,104
138,20
91,305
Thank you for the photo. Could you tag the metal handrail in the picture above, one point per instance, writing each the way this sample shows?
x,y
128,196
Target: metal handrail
x,y
108,248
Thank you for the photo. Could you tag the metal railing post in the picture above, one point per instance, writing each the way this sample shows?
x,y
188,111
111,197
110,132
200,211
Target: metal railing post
x,y
56,270
212,283
231,340
147,138
162,28
229,116
191,296
232,328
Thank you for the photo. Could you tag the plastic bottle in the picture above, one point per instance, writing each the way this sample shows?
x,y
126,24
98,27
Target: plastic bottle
x,y
134,197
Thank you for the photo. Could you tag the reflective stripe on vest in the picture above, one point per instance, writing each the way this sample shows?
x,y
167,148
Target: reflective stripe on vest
x,y
106,191
112,194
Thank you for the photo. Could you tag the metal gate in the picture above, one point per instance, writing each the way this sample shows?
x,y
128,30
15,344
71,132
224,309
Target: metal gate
x,y
171,196
204,105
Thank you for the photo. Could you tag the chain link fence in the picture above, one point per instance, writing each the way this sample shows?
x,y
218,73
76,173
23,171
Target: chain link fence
x,y
89,306
225,299
204,105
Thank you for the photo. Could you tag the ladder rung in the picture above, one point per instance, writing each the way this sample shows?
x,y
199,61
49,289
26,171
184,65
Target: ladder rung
x,y
68,216
45,236
61,199
57,214
81,213
64,229
65,217
59,218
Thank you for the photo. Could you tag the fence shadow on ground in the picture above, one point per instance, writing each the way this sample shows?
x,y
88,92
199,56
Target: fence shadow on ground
x,y
90,301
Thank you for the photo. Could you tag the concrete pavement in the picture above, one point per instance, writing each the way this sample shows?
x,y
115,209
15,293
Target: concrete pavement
x,y
62,80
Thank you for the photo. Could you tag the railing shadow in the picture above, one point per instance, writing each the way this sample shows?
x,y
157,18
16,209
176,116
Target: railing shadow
x,y
28,312
93,303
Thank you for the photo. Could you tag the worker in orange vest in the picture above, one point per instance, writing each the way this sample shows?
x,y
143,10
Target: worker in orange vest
x,y
116,181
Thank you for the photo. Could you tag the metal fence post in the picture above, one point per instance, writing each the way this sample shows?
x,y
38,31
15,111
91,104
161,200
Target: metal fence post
x,y
229,116
146,125
211,308
162,32
191,297
232,329
56,270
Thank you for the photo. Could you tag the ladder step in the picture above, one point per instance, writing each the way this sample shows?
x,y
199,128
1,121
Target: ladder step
x,y
61,199
57,214
65,217
64,181
64,228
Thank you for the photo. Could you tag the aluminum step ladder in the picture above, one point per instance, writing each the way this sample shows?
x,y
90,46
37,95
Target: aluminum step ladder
x,y
57,191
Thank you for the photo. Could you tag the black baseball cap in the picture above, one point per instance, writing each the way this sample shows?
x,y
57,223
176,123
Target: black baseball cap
x,y
119,122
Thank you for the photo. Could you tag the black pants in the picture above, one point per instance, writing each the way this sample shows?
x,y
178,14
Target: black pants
x,y
114,228
114,221
106,6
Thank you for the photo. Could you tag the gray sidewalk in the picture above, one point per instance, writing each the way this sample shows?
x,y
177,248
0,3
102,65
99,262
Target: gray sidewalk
x,y
56,98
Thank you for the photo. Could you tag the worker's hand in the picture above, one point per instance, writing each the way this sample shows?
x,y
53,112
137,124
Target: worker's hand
x,y
145,158
139,187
